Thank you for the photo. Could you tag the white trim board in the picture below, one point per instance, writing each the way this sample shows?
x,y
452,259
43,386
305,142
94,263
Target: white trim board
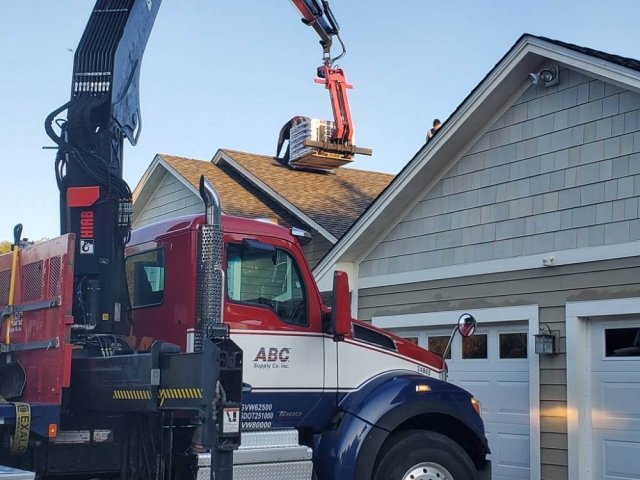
x,y
578,315
561,257
528,313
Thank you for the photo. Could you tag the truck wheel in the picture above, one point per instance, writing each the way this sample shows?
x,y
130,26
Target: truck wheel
x,y
423,455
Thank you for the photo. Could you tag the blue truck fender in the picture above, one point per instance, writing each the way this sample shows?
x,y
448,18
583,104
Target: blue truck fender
x,y
372,413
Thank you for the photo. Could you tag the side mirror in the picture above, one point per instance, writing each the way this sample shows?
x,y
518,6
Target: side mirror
x,y
466,326
340,306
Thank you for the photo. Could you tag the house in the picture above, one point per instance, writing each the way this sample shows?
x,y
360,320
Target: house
x,y
258,186
523,210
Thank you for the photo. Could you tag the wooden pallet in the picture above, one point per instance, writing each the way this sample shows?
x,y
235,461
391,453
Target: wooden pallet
x,y
327,156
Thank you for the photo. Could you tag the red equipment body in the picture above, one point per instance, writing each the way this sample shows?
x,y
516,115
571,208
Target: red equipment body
x,y
41,322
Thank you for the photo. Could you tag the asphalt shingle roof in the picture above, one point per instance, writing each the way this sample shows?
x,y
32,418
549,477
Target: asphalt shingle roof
x,y
333,200
237,196
627,62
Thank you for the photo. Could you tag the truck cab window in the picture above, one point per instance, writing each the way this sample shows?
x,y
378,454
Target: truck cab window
x,y
269,279
145,278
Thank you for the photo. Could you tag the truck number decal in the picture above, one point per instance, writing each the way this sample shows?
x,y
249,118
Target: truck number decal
x,y
257,415
255,425
424,371
258,407
257,411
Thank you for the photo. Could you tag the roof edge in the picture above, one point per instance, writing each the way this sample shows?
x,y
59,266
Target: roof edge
x,y
179,176
145,177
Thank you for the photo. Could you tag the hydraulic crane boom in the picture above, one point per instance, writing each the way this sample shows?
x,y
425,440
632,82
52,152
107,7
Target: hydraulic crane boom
x,y
318,15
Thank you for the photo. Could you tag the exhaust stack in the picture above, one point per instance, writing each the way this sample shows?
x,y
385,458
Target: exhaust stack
x,y
211,200
210,294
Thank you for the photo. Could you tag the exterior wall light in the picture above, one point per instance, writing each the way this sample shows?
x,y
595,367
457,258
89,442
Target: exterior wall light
x,y
548,76
546,343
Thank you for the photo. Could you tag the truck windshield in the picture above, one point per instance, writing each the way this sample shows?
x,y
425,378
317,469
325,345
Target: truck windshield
x,y
269,280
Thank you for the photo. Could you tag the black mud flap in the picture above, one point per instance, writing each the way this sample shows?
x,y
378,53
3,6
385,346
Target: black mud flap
x,y
12,380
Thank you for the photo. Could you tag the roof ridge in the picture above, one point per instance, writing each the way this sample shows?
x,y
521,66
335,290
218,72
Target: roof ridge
x,y
179,157
628,62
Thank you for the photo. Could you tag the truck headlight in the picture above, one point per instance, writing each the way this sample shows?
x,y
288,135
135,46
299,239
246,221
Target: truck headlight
x,y
477,406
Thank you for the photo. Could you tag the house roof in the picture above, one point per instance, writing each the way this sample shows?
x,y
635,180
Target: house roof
x,y
256,186
626,62
332,200
238,196
485,103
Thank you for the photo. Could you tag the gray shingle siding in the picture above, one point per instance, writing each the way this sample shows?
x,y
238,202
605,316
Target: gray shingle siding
x,y
560,161
316,249
171,199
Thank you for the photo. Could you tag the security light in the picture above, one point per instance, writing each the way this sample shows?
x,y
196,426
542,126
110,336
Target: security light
x,y
548,76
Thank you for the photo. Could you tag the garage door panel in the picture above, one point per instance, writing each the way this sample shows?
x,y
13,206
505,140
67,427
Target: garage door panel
x,y
623,365
615,399
504,397
616,405
514,398
616,455
513,451
510,458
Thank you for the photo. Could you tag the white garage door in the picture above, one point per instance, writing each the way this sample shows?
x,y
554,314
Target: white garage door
x,y
493,365
615,399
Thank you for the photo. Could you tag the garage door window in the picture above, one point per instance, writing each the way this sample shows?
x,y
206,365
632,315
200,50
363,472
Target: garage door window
x,y
474,347
513,345
622,342
437,344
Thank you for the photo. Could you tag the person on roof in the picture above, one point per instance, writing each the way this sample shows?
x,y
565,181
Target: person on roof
x,y
433,131
285,135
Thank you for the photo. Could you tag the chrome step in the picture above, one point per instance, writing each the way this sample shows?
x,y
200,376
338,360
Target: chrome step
x,y
269,439
266,455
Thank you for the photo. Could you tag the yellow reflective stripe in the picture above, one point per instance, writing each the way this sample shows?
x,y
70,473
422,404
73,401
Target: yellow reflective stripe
x,y
132,395
180,393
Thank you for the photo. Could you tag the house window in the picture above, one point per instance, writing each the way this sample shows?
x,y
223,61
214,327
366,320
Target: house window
x,y
267,277
622,342
474,347
513,345
437,344
413,340
145,278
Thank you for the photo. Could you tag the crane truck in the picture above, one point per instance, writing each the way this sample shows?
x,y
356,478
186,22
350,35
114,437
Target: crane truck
x,y
199,347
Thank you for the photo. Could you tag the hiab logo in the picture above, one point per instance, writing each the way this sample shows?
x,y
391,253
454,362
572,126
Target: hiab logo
x,y
273,357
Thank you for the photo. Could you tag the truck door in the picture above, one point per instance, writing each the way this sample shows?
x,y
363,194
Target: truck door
x,y
273,319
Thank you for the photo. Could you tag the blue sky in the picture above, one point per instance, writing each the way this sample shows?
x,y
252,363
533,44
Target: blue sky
x,y
228,74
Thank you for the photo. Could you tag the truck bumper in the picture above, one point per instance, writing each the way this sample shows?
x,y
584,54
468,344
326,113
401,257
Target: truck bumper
x,y
485,472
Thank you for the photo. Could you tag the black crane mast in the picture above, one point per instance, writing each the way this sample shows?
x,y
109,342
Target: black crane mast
x,y
95,200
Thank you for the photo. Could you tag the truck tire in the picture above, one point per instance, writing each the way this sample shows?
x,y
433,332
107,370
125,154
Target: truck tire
x,y
423,455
